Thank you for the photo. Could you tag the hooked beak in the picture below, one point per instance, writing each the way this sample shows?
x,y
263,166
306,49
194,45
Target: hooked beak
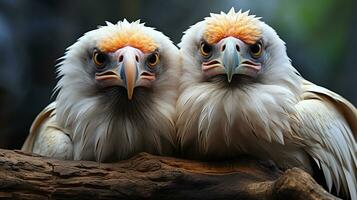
x,y
230,58
129,69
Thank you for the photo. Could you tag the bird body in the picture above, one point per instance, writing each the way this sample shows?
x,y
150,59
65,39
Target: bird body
x,y
116,97
47,138
239,94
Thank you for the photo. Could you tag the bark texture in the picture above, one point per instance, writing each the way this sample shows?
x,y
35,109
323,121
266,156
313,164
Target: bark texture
x,y
24,176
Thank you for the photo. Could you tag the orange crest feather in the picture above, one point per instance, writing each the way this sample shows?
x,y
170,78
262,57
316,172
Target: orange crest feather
x,y
239,25
128,36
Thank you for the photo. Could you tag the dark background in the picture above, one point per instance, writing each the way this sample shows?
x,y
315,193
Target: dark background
x,y
320,36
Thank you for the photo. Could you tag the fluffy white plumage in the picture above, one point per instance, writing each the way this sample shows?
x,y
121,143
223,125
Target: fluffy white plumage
x,y
276,115
87,122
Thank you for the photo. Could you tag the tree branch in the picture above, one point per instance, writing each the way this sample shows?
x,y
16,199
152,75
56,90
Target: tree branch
x,y
24,176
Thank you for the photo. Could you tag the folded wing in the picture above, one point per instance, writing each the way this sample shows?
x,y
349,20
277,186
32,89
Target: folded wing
x,y
328,129
47,138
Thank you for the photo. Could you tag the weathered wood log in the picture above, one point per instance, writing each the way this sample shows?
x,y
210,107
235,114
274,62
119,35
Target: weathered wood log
x,y
145,176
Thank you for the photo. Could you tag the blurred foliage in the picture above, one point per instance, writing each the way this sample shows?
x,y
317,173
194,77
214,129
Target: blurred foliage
x,y
320,37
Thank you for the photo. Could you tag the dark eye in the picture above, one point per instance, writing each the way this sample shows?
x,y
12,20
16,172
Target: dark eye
x,y
256,49
153,59
99,58
205,49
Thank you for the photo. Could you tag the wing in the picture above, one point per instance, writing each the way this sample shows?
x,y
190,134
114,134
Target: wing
x,y
327,128
343,106
47,138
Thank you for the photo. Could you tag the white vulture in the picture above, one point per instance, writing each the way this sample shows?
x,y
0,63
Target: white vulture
x,y
240,94
116,97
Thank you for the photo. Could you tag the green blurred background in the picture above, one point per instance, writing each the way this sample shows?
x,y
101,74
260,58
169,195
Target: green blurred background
x,y
320,37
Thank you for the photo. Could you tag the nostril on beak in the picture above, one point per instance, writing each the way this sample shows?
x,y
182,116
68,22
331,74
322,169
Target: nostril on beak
x,y
137,58
223,47
121,58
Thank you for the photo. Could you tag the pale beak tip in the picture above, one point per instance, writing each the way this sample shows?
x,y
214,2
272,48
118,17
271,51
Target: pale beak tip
x,y
130,96
229,77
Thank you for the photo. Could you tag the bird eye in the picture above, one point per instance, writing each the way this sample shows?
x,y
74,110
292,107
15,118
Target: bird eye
x,y
99,58
153,59
256,49
205,49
